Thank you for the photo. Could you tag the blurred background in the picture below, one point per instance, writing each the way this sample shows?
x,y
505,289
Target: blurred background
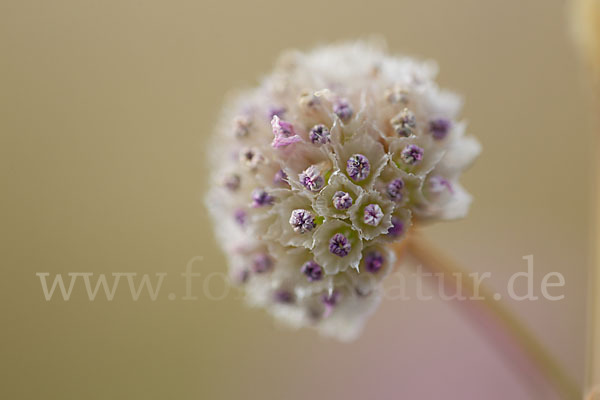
x,y
105,108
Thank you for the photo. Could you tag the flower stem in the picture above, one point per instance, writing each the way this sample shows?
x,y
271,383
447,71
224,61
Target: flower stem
x,y
494,317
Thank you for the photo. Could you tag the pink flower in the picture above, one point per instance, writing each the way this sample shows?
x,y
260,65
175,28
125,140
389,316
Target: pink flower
x,y
284,133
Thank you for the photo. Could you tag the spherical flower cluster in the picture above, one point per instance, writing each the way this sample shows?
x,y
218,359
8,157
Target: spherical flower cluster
x,y
332,158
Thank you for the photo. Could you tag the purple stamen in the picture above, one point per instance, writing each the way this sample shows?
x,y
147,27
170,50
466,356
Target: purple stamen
x,y
251,158
280,178
262,263
284,133
281,127
372,214
374,261
439,184
331,299
343,110
439,128
339,245
412,154
241,126
276,111
302,221
311,179
261,198
312,270
404,123
243,276
397,95
394,189
358,167
397,228
342,200
284,297
240,216
319,134
232,182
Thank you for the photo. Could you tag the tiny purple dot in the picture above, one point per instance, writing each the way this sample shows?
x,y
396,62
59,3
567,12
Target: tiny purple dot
x,y
372,214
339,245
342,200
412,154
397,228
319,134
262,263
312,270
343,110
394,189
232,182
358,167
404,123
261,198
302,221
438,184
374,261
439,128
311,179
284,133
279,111
284,297
280,178
240,216
331,299
243,276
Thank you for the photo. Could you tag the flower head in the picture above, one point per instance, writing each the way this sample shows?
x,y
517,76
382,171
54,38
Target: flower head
x,y
320,167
